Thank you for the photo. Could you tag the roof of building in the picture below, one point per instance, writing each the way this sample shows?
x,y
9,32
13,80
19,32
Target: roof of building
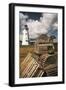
x,y
43,36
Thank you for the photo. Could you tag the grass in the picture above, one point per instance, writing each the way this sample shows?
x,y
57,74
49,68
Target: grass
x,y
24,50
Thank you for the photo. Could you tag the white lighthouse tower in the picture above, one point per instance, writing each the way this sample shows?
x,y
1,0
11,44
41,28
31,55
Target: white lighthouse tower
x,y
25,36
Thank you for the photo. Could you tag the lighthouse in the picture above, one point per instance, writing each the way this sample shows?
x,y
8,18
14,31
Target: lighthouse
x,y
25,36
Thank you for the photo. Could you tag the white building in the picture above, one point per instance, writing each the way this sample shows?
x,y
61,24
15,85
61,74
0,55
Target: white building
x,y
25,36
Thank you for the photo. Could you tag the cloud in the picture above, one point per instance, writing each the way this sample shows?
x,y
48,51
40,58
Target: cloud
x,y
48,19
22,19
44,24
22,16
33,26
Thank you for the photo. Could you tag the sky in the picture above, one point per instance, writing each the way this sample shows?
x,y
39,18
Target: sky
x,y
39,23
